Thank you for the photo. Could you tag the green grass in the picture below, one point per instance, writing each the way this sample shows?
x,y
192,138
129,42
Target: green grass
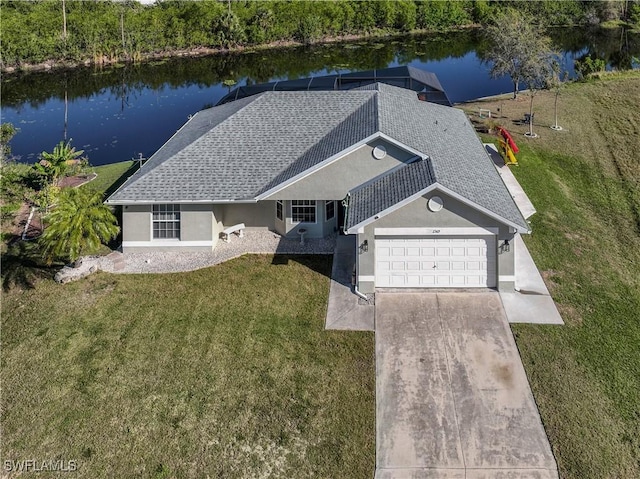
x,y
585,185
110,177
225,372
586,375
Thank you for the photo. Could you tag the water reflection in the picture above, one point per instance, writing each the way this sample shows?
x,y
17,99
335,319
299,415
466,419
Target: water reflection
x,y
116,113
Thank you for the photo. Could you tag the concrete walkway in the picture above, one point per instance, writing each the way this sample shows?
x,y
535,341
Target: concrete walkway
x,y
345,310
531,303
452,397
517,193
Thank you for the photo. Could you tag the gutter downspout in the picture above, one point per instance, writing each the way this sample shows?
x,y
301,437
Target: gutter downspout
x,y
345,203
359,294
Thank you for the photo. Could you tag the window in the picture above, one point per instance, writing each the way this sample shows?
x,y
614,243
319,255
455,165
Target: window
x,y
330,210
303,211
166,221
279,213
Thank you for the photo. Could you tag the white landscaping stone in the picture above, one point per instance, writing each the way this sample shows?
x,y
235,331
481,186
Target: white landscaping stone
x,y
256,242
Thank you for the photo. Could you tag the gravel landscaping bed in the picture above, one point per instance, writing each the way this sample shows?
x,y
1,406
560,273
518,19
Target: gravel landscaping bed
x,y
257,242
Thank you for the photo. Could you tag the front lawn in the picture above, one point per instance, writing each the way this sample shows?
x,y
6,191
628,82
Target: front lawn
x,y
226,372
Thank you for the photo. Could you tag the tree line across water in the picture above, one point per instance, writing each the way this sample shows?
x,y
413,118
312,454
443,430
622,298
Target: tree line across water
x,y
101,32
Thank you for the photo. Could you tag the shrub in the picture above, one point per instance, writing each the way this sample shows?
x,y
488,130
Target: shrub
x,y
589,66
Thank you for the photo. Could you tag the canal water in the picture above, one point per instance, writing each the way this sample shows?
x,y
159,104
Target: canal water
x,y
121,112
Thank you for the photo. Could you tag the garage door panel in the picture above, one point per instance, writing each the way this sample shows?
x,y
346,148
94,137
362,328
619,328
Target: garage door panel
x,y
398,266
427,281
436,262
413,266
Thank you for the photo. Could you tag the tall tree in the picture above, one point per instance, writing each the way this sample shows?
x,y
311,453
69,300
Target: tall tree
x,y
518,47
79,223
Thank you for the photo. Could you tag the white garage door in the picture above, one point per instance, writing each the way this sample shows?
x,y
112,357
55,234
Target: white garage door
x,y
435,262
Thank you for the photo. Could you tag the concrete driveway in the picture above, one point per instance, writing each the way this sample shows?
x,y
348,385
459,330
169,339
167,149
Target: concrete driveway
x,y
452,397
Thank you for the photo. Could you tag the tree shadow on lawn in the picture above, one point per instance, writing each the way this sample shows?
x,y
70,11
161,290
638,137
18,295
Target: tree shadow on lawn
x,y
23,267
320,263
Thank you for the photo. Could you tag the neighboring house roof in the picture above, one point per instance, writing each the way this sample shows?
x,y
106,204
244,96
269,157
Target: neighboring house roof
x,y
403,76
372,198
256,145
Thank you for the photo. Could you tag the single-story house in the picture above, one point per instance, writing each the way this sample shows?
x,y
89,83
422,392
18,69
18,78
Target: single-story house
x,y
409,178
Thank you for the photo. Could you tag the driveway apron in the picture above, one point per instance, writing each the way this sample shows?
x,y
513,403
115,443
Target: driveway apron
x,y
452,397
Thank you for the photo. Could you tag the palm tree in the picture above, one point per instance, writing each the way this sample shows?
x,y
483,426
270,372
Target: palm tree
x,y
79,224
55,164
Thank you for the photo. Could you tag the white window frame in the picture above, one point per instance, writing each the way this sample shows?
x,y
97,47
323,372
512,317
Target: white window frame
x,y
306,204
333,213
280,210
175,209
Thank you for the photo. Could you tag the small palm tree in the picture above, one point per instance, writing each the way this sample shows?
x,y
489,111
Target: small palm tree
x,y
79,224
55,164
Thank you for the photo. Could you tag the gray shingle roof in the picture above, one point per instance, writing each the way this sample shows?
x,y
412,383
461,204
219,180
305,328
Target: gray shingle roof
x,y
459,159
370,199
235,153
243,148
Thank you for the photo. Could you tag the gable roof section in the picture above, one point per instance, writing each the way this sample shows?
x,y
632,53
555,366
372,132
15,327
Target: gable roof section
x,y
459,160
370,199
359,125
232,155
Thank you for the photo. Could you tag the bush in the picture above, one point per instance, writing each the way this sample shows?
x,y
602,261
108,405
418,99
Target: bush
x,y
16,180
634,14
589,66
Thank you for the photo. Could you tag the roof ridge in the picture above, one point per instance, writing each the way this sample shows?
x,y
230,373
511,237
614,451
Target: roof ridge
x,y
377,106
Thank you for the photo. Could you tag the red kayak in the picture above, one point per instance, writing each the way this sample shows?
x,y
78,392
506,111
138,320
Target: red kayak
x,y
507,137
